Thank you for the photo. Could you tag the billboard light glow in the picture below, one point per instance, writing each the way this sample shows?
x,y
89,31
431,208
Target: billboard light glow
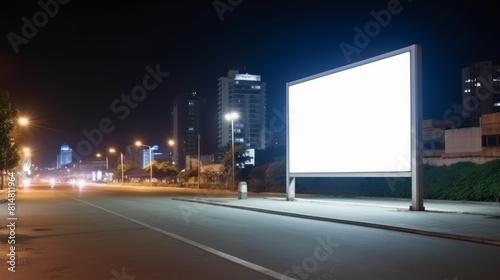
x,y
356,119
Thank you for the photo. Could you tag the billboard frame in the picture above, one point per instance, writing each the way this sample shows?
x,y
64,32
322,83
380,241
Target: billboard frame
x,y
416,129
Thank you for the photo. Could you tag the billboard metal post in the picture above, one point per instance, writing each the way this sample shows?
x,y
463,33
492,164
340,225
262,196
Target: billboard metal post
x,y
417,178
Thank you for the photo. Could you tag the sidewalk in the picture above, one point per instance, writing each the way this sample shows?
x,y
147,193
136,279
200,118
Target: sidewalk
x,y
467,221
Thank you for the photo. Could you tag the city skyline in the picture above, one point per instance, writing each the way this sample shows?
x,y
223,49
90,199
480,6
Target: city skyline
x,y
106,73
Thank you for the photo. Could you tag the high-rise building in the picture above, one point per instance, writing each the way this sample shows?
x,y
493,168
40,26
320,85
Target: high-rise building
x,y
65,156
186,127
139,155
246,95
480,90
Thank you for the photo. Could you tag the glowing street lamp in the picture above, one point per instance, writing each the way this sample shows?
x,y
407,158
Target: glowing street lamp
x,y
138,143
171,143
27,151
232,117
112,150
99,155
23,121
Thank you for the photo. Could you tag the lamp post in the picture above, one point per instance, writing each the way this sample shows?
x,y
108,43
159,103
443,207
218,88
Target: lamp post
x,y
232,117
107,165
112,150
171,143
138,143
106,171
26,162
199,161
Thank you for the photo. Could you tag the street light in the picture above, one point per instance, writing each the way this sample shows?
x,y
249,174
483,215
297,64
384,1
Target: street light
x,y
138,143
112,150
23,121
107,165
171,143
232,117
199,161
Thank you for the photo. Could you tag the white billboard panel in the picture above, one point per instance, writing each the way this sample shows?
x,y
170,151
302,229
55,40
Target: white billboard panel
x,y
354,120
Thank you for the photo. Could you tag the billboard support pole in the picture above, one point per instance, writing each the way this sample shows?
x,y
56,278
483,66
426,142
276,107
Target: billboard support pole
x,y
417,178
290,189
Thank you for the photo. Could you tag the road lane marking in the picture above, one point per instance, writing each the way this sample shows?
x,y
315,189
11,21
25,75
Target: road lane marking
x,y
211,250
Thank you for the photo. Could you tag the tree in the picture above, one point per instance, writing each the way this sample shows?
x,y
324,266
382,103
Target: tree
x,y
9,150
117,173
162,169
276,173
240,158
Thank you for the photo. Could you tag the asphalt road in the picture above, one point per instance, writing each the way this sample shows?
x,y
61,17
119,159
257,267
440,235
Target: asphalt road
x,y
134,233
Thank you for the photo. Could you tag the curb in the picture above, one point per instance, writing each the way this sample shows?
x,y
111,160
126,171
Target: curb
x,y
391,207
351,222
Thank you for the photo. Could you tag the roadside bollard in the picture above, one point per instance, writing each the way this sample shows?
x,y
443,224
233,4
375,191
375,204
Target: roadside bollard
x,y
242,190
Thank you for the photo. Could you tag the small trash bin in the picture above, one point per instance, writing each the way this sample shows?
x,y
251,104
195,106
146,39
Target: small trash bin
x,y
242,190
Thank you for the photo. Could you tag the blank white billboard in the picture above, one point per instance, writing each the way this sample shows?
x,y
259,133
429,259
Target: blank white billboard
x,y
354,119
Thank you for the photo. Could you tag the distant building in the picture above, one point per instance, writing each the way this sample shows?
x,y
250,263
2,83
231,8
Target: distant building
x,y
480,90
139,155
246,95
65,156
477,144
433,136
186,127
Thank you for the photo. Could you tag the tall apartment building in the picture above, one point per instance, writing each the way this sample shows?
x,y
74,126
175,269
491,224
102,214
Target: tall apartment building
x,y
480,90
65,156
186,127
139,156
246,95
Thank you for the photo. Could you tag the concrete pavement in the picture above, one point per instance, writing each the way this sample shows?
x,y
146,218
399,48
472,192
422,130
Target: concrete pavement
x,y
467,221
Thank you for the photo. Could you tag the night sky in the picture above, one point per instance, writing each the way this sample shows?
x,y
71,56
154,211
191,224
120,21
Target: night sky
x,y
87,54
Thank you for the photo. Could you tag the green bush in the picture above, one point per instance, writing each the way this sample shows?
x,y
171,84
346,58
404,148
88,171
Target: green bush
x,y
461,181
